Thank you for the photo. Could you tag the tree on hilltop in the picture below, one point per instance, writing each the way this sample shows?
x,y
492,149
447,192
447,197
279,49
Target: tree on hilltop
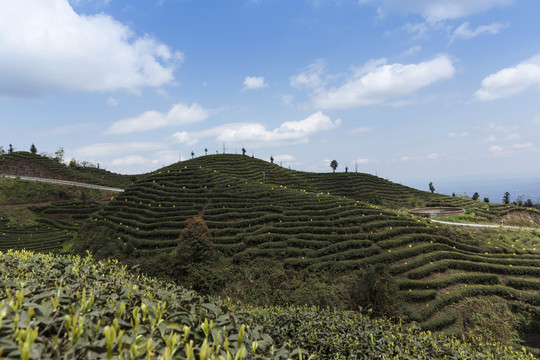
x,y
506,198
243,151
10,150
205,151
486,200
475,196
59,155
271,159
431,187
33,149
192,154
334,165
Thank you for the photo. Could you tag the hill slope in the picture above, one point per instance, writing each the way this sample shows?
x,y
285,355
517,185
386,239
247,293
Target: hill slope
x,y
71,307
28,164
320,223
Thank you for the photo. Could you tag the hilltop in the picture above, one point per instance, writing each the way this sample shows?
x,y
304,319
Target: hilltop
x,y
344,240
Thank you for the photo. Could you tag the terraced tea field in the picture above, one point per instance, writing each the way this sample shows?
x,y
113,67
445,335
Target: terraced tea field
x,y
316,222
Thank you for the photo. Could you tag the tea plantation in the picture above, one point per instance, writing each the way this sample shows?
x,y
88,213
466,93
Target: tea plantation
x,y
78,308
344,239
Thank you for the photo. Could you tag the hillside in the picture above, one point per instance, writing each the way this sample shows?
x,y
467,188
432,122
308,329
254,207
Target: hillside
x,y
76,307
302,237
27,164
43,216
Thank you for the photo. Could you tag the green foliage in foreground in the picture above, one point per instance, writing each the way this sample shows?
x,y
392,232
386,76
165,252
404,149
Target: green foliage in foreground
x,y
336,335
73,307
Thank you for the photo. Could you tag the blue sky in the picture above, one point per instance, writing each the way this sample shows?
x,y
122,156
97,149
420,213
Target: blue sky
x,y
404,89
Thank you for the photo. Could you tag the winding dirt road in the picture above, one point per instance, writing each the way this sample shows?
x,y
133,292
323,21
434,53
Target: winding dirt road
x,y
483,225
63,182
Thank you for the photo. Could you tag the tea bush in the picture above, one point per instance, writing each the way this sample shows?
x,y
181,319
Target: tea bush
x,y
76,307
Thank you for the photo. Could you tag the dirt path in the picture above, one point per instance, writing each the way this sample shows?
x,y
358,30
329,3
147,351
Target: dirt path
x,y
483,225
63,182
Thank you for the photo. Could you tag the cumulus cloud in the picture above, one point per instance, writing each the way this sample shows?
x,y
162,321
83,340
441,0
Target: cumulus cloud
x,y
510,81
464,31
254,83
438,10
47,47
180,114
184,138
310,77
288,132
256,135
383,83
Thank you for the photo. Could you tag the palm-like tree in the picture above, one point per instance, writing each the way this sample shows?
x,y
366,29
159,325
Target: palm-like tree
x,y
334,165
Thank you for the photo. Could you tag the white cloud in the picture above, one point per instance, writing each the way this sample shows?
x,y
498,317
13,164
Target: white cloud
x,y
384,83
47,47
112,101
284,158
496,149
361,161
522,146
128,160
433,156
180,114
460,134
310,77
256,135
137,163
412,51
105,150
510,81
438,10
501,128
288,132
514,136
254,82
184,138
359,130
287,99
464,31
490,138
